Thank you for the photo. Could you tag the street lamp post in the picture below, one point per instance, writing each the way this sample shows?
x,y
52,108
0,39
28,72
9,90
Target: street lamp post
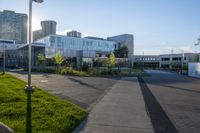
x,y
29,88
182,61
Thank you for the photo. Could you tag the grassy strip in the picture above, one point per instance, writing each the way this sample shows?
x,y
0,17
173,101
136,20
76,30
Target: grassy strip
x,y
49,113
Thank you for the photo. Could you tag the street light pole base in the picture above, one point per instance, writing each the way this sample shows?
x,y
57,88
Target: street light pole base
x,y
29,89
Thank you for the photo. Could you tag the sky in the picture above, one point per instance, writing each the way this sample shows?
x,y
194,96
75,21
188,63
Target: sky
x,y
158,26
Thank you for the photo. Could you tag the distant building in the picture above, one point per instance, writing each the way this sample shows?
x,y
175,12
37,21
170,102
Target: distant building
x,y
13,26
48,28
37,35
152,61
74,33
124,40
168,60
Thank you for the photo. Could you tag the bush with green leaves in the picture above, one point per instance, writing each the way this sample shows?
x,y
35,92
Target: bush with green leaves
x,y
70,71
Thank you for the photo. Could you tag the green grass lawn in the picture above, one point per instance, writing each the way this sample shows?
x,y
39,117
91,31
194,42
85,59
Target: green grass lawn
x,y
49,113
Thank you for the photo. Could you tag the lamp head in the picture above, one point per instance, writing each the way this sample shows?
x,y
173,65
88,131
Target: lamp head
x,y
39,1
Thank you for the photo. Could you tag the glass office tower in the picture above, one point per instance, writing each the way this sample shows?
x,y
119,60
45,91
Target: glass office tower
x,y
13,26
76,47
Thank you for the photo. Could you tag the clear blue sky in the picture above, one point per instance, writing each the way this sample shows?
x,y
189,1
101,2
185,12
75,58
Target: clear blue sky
x,y
158,25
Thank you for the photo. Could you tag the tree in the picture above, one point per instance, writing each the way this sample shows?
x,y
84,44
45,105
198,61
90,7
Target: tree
x,y
58,59
41,59
121,52
112,59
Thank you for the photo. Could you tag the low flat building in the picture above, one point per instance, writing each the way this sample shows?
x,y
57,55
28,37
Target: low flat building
x,y
18,56
86,49
76,47
147,61
168,60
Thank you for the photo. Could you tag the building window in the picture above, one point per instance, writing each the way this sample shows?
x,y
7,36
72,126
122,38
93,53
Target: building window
x,y
165,59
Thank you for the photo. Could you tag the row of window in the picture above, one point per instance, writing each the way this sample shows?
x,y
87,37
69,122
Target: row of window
x,y
11,56
78,43
147,59
173,59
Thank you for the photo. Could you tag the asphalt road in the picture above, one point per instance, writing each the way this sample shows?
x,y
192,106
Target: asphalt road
x,y
179,100
82,91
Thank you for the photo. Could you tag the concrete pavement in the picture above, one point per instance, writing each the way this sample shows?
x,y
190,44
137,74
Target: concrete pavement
x,y
122,110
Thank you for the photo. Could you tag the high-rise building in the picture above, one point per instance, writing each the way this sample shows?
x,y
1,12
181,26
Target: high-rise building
x,y
13,26
48,27
74,33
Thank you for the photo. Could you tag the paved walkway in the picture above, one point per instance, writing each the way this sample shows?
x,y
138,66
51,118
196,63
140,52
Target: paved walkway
x,y
122,110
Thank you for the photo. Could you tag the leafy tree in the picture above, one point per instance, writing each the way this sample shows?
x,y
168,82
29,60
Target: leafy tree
x,y
112,59
58,59
41,59
121,52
